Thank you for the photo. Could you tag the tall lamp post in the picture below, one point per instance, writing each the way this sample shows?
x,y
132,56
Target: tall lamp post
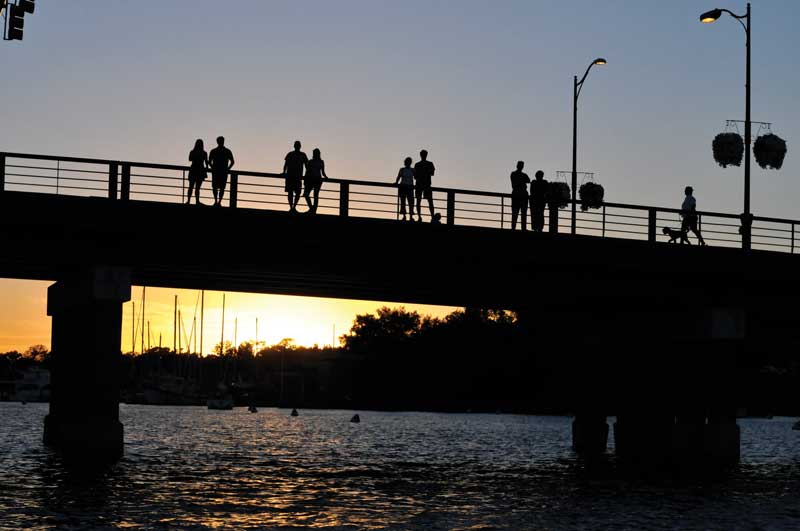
x,y
576,91
707,18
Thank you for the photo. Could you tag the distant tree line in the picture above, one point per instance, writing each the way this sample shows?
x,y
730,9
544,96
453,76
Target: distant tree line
x,y
470,360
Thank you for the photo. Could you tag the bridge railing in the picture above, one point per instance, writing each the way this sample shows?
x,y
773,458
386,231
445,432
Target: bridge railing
x,y
138,181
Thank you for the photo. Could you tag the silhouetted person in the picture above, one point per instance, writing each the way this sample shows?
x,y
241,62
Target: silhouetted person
x,y
293,166
197,171
539,188
689,213
519,195
315,172
405,190
423,172
221,161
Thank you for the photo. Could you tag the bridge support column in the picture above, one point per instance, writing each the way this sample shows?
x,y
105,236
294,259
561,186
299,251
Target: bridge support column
x,y
644,439
688,442
722,439
86,334
589,434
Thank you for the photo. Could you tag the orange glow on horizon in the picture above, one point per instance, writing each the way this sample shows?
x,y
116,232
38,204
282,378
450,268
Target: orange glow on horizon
x,y
306,320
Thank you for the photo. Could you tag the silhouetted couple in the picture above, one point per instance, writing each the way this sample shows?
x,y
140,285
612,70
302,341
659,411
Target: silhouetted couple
x,y
422,173
220,161
300,172
519,198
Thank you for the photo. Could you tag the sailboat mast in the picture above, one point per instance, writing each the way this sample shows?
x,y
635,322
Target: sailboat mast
x,y
256,334
180,345
236,332
174,322
144,295
222,337
133,328
202,307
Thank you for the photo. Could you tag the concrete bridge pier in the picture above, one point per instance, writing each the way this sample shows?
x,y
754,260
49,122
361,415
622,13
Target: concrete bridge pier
x,y
687,442
86,309
589,433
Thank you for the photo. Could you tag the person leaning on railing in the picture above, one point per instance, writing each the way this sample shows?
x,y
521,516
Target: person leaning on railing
x,y
539,188
221,161
315,172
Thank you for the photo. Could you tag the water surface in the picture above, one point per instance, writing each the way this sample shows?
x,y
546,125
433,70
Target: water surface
x,y
190,468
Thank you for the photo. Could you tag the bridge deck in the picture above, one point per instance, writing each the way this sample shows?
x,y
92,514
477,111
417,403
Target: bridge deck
x,y
125,180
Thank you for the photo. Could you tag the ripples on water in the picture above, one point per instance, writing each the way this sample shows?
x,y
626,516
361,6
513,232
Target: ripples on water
x,y
190,468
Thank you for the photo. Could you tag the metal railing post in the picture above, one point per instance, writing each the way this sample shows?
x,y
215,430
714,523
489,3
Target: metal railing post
x,y
344,199
604,221
233,198
2,172
451,207
502,211
113,174
552,212
651,225
792,251
125,186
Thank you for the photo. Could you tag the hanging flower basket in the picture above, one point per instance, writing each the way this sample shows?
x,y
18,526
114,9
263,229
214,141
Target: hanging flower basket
x,y
728,149
558,195
591,195
769,151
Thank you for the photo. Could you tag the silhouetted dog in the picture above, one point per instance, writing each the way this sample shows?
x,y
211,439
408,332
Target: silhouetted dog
x,y
675,234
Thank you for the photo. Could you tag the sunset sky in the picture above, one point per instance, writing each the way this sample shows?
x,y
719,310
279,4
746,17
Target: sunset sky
x,y
480,84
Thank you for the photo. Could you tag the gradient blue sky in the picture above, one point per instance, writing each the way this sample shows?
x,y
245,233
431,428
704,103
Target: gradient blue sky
x,y
481,84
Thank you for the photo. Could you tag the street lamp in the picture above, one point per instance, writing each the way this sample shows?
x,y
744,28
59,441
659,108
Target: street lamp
x,y
576,91
707,18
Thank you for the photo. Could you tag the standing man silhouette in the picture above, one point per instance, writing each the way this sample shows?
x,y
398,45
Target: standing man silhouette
x,y
221,161
538,201
423,172
519,195
293,166
689,213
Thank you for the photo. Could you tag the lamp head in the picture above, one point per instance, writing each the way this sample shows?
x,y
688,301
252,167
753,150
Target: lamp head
x,y
599,61
710,16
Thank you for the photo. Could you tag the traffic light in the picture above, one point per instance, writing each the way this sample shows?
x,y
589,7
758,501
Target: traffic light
x,y
16,17
16,22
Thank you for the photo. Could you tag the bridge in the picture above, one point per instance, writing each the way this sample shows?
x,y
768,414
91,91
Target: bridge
x,y
655,333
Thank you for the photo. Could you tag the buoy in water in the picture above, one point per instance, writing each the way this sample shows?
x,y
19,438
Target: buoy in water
x,y
294,412
252,409
355,418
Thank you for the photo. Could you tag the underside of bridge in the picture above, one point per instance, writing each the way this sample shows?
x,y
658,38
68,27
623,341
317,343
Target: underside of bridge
x,y
656,334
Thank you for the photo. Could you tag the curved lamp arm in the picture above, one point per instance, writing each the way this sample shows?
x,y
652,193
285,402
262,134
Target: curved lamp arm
x,y
714,14
579,84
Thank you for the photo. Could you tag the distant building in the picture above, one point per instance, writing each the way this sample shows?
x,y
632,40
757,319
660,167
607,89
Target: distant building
x,y
31,385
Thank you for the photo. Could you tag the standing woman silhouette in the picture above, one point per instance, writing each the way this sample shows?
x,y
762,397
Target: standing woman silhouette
x,y
315,172
197,171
